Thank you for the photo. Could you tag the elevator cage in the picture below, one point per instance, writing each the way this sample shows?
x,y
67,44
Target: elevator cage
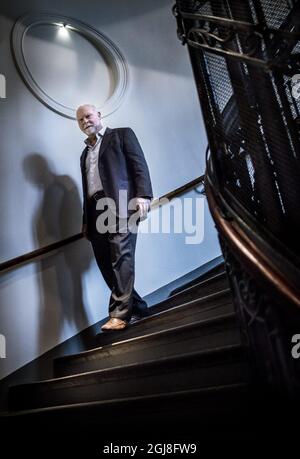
x,y
245,57
248,78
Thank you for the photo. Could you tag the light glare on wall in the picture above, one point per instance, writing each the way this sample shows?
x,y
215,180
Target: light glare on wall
x,y
63,30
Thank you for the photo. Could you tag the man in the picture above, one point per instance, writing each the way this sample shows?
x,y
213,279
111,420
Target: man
x,y
113,165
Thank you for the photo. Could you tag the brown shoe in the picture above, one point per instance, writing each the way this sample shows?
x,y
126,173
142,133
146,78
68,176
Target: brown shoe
x,y
114,324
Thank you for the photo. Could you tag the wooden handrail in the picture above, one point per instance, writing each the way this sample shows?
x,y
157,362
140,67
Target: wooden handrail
x,y
56,245
249,254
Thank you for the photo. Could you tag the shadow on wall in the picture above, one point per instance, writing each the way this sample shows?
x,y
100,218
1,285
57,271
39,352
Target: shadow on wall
x,y
60,273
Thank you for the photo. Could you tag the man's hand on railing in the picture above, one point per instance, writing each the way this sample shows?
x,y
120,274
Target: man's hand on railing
x,y
143,205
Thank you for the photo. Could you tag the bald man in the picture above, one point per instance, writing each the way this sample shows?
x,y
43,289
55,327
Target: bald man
x,y
116,183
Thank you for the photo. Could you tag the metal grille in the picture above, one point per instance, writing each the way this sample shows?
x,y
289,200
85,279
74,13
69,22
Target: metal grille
x,y
221,85
276,11
245,73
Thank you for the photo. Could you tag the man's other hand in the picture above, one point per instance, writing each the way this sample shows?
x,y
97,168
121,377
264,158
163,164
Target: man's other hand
x,y
84,230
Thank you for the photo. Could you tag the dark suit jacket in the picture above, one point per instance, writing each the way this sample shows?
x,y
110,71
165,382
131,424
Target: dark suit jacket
x,y
122,165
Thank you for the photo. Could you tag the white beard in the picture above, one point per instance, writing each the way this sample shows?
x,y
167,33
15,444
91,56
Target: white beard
x,y
90,130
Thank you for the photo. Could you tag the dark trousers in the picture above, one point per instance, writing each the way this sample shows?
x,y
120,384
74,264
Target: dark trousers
x,y
114,253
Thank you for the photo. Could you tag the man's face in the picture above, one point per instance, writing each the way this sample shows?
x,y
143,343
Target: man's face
x,y
89,120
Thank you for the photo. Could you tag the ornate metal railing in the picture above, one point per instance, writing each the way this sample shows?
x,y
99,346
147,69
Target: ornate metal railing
x,y
246,62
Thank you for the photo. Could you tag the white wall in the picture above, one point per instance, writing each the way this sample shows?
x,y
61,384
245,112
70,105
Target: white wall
x,y
48,301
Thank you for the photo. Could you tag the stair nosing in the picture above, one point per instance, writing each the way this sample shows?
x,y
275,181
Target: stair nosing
x,y
70,406
209,297
205,281
196,324
149,363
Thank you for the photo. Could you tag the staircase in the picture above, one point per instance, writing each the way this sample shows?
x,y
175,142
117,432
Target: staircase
x,y
181,366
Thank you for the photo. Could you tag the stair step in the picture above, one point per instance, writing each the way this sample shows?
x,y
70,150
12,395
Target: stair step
x,y
195,370
200,335
201,289
199,309
200,405
217,270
